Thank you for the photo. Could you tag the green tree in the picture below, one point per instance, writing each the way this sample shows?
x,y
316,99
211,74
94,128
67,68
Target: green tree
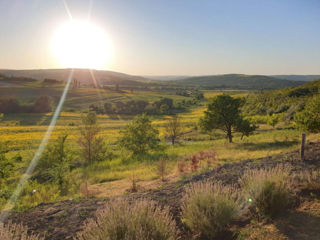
x,y
173,129
139,137
245,128
42,105
6,167
273,120
54,164
309,118
224,113
91,144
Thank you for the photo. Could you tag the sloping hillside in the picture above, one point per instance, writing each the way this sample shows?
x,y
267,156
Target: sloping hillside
x,y
62,220
82,75
306,78
288,100
238,81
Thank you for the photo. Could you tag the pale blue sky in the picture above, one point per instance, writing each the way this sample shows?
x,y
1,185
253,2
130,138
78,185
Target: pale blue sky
x,y
174,37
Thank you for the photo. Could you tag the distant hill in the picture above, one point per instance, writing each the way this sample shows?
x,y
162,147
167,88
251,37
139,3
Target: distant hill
x,y
165,78
286,100
82,75
227,81
238,81
305,78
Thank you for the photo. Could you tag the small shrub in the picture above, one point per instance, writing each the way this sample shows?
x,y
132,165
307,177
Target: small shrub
x,y
208,208
194,163
162,169
207,157
16,232
139,220
182,166
310,180
202,159
268,190
134,187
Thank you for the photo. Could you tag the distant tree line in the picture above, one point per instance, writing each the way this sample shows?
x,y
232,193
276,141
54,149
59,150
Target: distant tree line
x,y
190,93
11,105
161,106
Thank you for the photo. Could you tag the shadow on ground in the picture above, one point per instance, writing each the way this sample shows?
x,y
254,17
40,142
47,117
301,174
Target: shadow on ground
x,y
266,145
300,226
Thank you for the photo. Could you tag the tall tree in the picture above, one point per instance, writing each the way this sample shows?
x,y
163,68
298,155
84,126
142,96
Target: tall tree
x,y
309,118
91,144
54,164
6,167
139,137
173,129
224,113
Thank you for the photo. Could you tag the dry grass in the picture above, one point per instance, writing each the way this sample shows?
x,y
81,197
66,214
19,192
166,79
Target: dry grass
x,y
16,232
208,208
310,180
268,191
139,220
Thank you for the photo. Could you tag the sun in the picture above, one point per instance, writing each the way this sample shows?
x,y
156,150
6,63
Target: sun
x,y
80,44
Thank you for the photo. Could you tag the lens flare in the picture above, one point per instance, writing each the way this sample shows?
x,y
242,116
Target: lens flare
x,y
24,179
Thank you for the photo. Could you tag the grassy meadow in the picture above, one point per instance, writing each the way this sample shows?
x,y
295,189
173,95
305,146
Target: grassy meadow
x,y
24,132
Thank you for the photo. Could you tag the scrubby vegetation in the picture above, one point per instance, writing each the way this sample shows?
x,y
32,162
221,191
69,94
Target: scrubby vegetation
x,y
208,208
268,190
287,101
142,220
12,105
98,150
16,232
308,119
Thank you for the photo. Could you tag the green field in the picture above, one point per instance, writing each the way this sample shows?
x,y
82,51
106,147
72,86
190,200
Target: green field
x,y
23,132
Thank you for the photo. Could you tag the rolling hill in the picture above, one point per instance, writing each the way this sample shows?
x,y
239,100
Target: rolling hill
x,y
286,100
226,81
82,75
237,81
306,78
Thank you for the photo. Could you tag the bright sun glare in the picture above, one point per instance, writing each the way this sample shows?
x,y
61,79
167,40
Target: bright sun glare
x,y
79,44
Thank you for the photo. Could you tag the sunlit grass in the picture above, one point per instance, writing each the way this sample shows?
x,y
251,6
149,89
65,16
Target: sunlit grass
x,y
266,141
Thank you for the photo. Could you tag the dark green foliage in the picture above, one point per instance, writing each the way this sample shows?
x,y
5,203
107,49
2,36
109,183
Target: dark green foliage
x,y
92,146
54,165
9,105
299,92
162,106
42,105
139,137
195,94
12,105
309,118
237,81
224,113
245,128
291,100
6,167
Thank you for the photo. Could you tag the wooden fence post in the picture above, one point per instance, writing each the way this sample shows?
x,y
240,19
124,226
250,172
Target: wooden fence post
x,y
303,141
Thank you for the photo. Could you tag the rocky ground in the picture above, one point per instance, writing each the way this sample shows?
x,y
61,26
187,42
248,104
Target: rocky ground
x,y
61,220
